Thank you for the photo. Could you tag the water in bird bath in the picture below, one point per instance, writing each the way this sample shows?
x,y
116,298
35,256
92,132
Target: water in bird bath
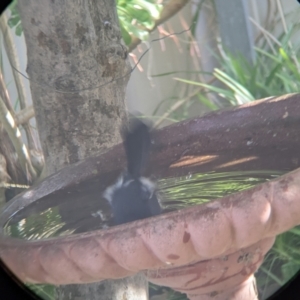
x,y
76,213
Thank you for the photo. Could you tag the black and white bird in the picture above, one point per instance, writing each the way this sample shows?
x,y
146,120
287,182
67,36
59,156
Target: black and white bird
x,y
133,197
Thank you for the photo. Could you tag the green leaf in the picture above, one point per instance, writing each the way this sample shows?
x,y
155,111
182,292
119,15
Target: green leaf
x,y
221,92
13,21
290,269
45,291
137,17
126,36
273,57
237,65
204,100
253,78
13,6
273,72
241,93
19,29
153,9
141,34
196,17
290,64
295,231
178,72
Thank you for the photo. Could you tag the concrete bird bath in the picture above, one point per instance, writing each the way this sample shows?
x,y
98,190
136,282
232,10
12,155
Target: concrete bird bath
x,y
206,251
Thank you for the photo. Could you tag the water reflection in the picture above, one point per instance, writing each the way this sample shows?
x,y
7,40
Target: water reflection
x,y
45,219
199,188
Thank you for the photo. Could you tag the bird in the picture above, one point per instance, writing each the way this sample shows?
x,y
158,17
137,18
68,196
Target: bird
x,y
134,197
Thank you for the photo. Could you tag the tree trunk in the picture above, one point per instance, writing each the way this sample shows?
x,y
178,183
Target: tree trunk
x,y
74,48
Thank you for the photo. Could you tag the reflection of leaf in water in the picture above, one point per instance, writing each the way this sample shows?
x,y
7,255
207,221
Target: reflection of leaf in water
x,y
176,193
31,229
196,189
45,291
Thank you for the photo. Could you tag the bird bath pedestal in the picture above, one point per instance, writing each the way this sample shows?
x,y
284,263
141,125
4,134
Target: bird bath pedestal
x,y
208,251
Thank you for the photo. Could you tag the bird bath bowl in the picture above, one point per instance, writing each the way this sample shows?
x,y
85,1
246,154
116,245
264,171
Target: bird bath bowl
x,y
207,250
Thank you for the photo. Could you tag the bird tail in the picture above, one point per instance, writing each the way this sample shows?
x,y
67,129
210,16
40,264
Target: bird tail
x,y
137,143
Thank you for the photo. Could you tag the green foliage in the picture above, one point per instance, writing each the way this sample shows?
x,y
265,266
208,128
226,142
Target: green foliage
x,y
14,19
44,291
240,82
165,293
30,228
137,17
194,189
281,263
271,75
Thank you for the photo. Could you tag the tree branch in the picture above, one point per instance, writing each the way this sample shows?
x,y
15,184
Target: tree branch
x,y
24,115
12,57
15,136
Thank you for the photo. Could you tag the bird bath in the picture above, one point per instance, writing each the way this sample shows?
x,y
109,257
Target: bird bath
x,y
208,250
